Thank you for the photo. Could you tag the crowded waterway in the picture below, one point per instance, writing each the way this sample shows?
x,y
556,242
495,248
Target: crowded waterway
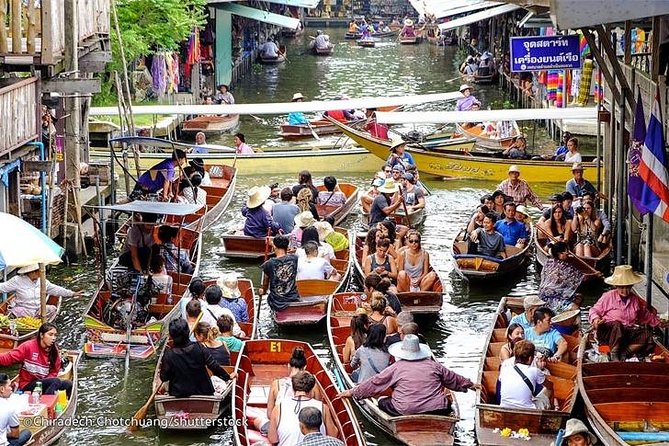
x,y
109,394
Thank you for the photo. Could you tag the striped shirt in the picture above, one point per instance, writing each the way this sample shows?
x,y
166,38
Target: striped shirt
x,y
520,192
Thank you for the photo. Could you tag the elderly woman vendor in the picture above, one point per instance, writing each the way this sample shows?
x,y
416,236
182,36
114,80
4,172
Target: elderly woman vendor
x,y
26,287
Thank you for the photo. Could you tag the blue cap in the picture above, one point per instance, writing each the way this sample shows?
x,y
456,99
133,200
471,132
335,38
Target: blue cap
x,y
398,167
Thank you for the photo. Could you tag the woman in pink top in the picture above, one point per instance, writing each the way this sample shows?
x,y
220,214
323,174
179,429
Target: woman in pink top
x,y
242,147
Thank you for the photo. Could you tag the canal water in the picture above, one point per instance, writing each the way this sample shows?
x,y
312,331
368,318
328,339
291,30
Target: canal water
x,y
108,393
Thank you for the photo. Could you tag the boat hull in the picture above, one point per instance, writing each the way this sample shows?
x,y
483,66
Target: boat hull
x,y
238,246
339,213
272,61
475,132
600,263
210,124
322,51
9,341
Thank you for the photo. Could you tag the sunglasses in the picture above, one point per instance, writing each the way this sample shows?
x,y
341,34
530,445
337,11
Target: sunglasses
x,y
414,240
387,171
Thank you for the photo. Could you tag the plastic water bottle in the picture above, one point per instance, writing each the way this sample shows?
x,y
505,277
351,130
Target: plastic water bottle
x,y
37,393
169,299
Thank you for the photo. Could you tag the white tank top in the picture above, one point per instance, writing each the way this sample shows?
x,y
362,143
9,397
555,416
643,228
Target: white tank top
x,y
285,390
289,426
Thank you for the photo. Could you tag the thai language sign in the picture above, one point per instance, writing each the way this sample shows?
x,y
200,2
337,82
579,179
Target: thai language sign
x,y
545,53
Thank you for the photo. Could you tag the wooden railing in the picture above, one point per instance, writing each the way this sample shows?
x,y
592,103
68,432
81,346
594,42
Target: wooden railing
x,y
36,28
20,124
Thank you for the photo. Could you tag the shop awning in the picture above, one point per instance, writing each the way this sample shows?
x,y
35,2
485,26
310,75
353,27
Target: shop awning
x,y
478,16
298,3
595,13
259,15
468,8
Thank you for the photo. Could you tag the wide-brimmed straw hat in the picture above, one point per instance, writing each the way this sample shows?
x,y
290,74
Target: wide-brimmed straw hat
x,y
29,269
304,219
522,210
257,195
297,96
389,187
464,87
410,349
229,286
577,166
396,145
514,168
408,22
533,301
575,426
324,229
623,275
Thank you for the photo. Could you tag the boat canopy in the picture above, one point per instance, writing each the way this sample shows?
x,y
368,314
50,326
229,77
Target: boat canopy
x,y
522,114
153,207
280,108
449,8
477,17
166,144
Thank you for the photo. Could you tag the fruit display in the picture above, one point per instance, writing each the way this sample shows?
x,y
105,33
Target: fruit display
x,y
27,323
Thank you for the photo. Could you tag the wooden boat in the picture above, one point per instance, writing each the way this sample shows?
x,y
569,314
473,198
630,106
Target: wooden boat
x,y
105,340
274,60
210,124
366,43
409,40
9,341
260,362
542,425
487,79
44,435
626,402
315,293
415,219
287,32
339,213
202,411
455,160
599,263
489,142
377,35
409,429
295,131
240,246
480,267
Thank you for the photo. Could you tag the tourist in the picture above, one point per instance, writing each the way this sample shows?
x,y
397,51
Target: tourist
x,y
513,231
386,203
304,180
417,382
374,282
518,190
304,201
372,357
412,195
213,295
567,201
337,240
359,329
12,434
186,364
297,118
207,335
562,150
546,339
157,279
176,258
379,315
488,241
530,305
465,103
477,219
514,333
191,192
241,148
40,362
559,278
414,264
572,155
258,222
517,149
223,96
196,290
605,236
311,266
284,213
557,226
498,198
311,420
578,185
193,315
523,217
26,288
555,200
281,287
332,195
576,433
302,221
405,326
381,262
225,324
399,155
159,177
587,227
200,147
232,297
622,319
521,383
310,234
198,165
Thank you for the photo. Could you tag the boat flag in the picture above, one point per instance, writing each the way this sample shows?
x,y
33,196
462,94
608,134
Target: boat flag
x,y
634,181
653,166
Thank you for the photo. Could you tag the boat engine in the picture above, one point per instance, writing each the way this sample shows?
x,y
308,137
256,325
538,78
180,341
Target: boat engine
x,y
118,312
413,136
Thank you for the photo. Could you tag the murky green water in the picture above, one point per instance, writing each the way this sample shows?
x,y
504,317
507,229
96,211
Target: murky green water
x,y
456,337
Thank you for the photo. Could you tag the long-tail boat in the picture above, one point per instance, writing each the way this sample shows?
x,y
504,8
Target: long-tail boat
x,y
210,125
201,411
476,132
339,213
240,246
589,266
262,361
409,429
9,340
491,418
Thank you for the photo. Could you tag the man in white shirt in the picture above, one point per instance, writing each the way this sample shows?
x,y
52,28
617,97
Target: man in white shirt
x,y
311,266
213,295
269,50
522,384
9,418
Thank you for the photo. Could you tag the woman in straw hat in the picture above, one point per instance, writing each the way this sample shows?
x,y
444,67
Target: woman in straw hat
x,y
416,379
465,103
576,433
232,297
622,319
258,221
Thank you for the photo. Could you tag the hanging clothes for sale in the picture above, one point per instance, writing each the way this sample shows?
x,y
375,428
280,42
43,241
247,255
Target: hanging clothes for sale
x,y
586,81
551,90
559,94
158,74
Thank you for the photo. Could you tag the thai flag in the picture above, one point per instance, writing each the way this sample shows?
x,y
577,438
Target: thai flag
x,y
653,166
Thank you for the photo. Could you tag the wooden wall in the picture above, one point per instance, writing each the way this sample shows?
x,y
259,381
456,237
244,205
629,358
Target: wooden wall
x,y
20,111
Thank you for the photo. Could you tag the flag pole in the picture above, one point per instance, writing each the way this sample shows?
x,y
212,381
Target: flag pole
x,y
648,262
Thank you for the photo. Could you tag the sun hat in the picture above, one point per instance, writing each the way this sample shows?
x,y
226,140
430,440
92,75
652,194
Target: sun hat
x,y
398,167
577,166
257,195
514,168
297,96
575,426
623,275
229,286
522,210
29,268
410,349
408,22
304,219
324,229
397,144
533,301
389,187
378,182
464,87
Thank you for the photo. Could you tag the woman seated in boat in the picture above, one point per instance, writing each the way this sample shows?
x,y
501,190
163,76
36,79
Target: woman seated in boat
x,y
498,198
304,201
398,154
414,265
305,180
196,290
259,223
523,217
185,365
26,288
332,196
486,240
517,149
372,357
376,129
226,324
194,312
223,96
359,329
546,339
522,385
622,319
198,165
138,242
374,282
241,148
310,234
327,234
352,27
207,336
558,226
379,315
514,333
381,262
393,232
284,428
572,155
604,237
161,282
297,118
477,219
191,192
559,279
587,226
416,379
311,266
40,362
176,257
232,297
576,433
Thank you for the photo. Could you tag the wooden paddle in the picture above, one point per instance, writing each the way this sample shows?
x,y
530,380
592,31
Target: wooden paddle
x,y
141,413
313,132
269,234
583,262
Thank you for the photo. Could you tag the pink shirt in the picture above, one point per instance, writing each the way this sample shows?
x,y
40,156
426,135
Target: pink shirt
x,y
244,148
611,308
520,192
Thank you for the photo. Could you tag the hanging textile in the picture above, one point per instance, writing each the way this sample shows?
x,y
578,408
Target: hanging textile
x,y
551,91
559,96
158,74
169,73
176,78
599,93
194,47
586,81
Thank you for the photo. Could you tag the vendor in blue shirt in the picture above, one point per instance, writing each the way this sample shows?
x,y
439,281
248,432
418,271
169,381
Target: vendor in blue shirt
x,y
398,154
297,118
546,339
512,230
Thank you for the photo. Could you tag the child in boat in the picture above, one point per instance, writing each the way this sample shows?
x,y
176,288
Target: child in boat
x,y
176,258
225,324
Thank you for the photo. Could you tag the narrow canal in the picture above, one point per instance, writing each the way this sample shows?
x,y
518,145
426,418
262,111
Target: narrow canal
x,y
456,337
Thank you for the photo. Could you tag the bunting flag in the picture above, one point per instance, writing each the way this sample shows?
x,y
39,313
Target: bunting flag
x,y
653,166
634,181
